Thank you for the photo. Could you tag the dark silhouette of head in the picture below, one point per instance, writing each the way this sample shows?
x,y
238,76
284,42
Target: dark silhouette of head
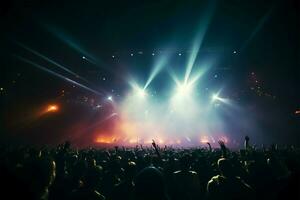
x,y
185,162
149,184
40,174
92,177
130,170
225,167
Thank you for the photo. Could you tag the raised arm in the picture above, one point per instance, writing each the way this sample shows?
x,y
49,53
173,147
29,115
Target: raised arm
x,y
156,149
246,142
223,148
209,147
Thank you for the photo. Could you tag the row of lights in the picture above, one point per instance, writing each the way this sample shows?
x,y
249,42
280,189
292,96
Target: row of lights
x,y
183,90
113,56
153,54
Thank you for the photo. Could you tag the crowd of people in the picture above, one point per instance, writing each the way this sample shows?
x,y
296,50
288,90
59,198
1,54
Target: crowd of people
x,y
150,173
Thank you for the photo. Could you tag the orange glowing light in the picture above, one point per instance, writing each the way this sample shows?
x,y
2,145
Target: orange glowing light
x,y
52,108
128,128
105,140
204,139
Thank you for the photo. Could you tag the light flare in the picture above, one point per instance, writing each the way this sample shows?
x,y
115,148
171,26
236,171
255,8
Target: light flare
x,y
52,108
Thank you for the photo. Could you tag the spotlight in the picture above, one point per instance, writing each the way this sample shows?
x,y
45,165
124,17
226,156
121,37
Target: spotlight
x,y
215,97
184,89
110,98
137,90
141,93
179,54
83,57
153,54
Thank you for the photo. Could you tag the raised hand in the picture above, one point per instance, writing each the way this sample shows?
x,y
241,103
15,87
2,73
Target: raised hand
x,y
223,148
246,144
154,144
67,145
209,146
247,138
156,149
222,144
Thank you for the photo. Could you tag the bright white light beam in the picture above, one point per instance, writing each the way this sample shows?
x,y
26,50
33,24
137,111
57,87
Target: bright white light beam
x,y
197,42
142,93
184,89
216,97
138,91
57,75
157,68
51,61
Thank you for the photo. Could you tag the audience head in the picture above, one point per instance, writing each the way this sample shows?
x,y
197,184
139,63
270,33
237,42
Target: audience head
x,y
149,184
225,167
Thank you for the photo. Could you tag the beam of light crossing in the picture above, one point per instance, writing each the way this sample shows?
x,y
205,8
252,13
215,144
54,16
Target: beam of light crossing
x,y
192,59
184,89
100,122
51,61
70,42
86,55
216,98
198,74
61,35
173,76
198,41
89,60
57,75
160,63
138,91
259,26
